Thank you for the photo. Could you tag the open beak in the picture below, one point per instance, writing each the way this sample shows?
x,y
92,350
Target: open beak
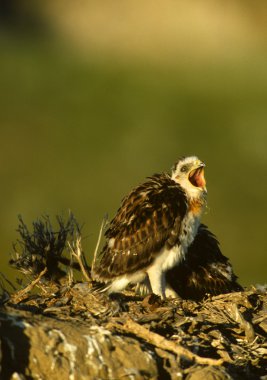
x,y
196,176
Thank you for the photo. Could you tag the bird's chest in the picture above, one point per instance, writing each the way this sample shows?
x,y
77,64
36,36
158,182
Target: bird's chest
x,y
188,230
190,224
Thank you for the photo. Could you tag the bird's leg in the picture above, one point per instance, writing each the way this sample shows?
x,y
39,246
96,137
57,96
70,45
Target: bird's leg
x,y
157,281
170,292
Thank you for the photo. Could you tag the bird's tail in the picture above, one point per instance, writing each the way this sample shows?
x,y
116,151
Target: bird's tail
x,y
100,287
143,288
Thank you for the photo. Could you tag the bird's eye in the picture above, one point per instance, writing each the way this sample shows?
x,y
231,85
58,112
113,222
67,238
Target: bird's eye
x,y
184,168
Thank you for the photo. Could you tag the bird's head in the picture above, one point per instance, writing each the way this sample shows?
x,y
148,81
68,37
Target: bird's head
x,y
189,173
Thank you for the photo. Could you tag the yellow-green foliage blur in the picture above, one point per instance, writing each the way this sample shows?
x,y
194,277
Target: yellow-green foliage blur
x,y
97,95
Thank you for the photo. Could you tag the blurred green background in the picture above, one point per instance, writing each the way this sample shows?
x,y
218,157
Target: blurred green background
x,y
97,95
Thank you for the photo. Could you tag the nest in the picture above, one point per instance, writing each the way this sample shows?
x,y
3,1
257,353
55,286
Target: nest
x,y
220,337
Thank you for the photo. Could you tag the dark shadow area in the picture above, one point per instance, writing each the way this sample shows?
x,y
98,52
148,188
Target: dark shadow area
x,y
21,18
14,346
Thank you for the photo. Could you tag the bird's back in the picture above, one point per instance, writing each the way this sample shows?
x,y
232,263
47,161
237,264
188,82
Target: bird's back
x,y
144,223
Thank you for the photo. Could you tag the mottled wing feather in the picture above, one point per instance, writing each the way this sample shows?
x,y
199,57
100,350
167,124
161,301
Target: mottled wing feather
x,y
149,218
204,270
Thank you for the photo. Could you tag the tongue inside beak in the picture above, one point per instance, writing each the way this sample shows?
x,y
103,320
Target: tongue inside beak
x,y
196,177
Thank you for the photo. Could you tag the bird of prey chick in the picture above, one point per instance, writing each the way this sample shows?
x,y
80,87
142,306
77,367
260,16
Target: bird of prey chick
x,y
153,228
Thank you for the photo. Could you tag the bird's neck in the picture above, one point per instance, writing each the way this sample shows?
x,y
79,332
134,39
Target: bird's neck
x,y
197,205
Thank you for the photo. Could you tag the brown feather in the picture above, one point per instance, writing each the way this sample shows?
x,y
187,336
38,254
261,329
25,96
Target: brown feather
x,y
204,270
149,217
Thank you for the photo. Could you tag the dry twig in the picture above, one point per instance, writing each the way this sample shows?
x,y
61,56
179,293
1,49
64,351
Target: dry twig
x,y
78,254
160,342
103,225
21,294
